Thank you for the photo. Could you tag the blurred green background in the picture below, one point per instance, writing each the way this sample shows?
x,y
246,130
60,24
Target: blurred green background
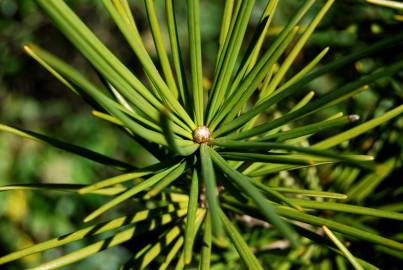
x,y
31,98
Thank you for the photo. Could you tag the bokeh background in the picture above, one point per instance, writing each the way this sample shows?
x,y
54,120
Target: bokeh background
x,y
31,98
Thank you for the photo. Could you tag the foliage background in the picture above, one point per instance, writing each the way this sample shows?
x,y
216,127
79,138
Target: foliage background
x,y
31,98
